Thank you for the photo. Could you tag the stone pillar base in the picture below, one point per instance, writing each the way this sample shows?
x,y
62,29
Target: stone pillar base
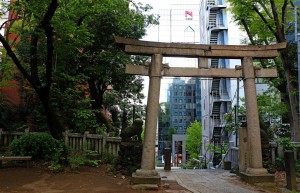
x,y
146,177
256,178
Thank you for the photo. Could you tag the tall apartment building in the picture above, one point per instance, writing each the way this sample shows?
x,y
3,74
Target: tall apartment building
x,y
216,100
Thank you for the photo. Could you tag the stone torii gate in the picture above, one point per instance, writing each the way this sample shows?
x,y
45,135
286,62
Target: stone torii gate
x,y
254,168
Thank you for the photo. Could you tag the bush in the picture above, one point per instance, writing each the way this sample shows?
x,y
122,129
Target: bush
x,y
298,168
191,164
41,146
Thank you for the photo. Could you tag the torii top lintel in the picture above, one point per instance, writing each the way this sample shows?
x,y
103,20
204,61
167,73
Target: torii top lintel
x,y
138,47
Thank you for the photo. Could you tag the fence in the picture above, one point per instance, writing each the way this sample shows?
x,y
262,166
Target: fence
x,y
77,141
233,156
276,151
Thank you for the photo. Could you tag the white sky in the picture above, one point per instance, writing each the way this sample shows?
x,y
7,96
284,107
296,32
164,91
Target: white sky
x,y
234,37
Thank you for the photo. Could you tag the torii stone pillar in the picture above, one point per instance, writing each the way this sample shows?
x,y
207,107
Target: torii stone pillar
x,y
254,171
147,174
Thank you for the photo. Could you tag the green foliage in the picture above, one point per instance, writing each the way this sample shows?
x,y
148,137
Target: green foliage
x,y
267,22
193,139
298,168
270,105
191,164
286,144
59,158
41,146
108,158
84,60
279,164
230,122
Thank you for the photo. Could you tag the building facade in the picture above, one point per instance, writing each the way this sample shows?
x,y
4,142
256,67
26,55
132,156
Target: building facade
x,y
180,23
183,107
216,99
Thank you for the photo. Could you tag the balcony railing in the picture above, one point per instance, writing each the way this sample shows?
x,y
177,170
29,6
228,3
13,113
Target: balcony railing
x,y
218,120
220,95
216,3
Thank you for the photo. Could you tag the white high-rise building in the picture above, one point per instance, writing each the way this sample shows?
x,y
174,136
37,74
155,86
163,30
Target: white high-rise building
x,y
216,92
202,22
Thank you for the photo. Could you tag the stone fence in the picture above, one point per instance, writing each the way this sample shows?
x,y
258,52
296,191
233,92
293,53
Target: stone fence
x,y
276,151
77,141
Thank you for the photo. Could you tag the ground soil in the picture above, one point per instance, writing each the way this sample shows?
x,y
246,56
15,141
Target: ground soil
x,y
39,179
19,179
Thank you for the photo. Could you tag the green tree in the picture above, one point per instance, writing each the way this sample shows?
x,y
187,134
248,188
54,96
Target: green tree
x,y
53,50
103,62
266,22
193,139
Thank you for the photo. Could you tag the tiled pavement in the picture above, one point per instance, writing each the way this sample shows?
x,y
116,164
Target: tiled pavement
x,y
207,181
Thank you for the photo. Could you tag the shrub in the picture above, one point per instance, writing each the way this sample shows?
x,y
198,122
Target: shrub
x,y
298,168
41,146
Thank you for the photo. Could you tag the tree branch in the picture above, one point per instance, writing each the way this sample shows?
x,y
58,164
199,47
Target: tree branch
x,y
16,61
247,31
265,21
266,10
45,24
283,16
279,36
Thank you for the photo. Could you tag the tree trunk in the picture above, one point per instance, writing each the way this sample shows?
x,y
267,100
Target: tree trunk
x,y
97,102
54,124
292,98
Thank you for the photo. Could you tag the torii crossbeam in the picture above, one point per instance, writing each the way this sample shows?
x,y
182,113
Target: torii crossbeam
x,y
147,174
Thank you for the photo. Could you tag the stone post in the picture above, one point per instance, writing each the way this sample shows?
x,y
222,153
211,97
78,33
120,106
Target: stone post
x,y
290,169
67,137
167,159
254,141
147,174
1,141
84,141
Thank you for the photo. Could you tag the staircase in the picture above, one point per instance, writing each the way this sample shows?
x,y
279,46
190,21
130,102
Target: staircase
x,y
215,88
213,38
214,63
216,109
212,21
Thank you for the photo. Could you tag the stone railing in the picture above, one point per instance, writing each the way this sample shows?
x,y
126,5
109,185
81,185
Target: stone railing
x,y
233,156
77,141
93,142
276,151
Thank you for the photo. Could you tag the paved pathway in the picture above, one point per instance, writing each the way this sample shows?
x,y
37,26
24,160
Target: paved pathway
x,y
208,181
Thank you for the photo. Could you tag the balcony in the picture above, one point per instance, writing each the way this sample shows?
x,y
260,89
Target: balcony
x,y
220,95
215,4
218,121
